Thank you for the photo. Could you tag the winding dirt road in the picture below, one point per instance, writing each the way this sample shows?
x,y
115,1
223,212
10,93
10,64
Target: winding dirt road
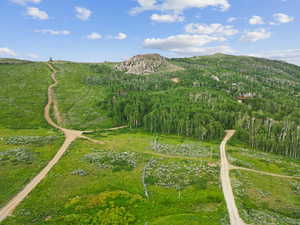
x,y
70,136
234,216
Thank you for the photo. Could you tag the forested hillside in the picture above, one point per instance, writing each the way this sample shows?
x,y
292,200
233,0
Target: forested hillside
x,y
258,97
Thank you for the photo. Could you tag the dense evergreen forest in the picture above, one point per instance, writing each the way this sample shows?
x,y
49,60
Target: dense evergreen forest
x,y
201,101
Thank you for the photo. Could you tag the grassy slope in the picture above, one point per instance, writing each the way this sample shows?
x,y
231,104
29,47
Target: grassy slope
x,y
195,206
268,162
23,95
14,175
79,103
267,200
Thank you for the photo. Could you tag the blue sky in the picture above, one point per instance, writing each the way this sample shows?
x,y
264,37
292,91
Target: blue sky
x,y
94,30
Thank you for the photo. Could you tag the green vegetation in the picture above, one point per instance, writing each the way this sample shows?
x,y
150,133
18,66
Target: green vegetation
x,y
105,195
159,170
267,200
204,100
262,161
23,95
78,103
21,161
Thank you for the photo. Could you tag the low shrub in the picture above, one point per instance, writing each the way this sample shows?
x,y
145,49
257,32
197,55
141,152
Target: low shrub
x,y
18,155
113,160
29,140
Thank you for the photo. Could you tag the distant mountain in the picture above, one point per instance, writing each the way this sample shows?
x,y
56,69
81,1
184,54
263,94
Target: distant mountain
x,y
13,61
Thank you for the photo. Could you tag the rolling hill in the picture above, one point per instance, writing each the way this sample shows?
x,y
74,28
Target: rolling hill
x,y
160,164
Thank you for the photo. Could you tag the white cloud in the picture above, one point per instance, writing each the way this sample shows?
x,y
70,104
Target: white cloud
x,y
167,18
121,36
282,18
215,28
254,20
231,19
7,52
289,55
182,43
192,51
53,32
94,36
83,13
256,35
178,5
36,13
24,2
33,56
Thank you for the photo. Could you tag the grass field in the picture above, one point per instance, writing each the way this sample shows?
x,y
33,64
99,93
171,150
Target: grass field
x,y
268,162
23,95
266,200
82,187
79,102
22,157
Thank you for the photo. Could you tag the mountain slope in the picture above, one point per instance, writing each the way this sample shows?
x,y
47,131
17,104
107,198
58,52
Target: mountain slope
x,y
206,98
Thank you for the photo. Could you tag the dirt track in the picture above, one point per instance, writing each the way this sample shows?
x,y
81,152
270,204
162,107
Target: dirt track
x,y
262,172
234,216
70,136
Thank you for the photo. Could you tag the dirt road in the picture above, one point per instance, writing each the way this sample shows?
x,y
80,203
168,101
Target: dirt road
x,y
70,136
262,172
226,184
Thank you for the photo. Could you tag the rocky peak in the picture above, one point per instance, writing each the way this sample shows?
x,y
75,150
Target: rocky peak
x,y
143,64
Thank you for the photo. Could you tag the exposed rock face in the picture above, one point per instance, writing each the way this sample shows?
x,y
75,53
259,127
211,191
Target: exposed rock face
x,y
143,64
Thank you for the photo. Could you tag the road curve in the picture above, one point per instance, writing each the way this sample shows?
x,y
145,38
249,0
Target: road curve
x,y
70,136
233,212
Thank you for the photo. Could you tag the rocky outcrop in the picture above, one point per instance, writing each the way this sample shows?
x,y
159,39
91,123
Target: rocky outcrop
x,y
145,64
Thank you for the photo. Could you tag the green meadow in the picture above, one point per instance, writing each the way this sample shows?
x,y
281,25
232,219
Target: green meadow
x,y
81,188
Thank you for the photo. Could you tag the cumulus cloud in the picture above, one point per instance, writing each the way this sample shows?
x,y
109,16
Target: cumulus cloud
x,y
216,28
53,32
94,36
121,36
231,19
7,52
254,20
83,13
256,35
192,51
36,13
282,18
178,5
24,2
167,18
183,43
